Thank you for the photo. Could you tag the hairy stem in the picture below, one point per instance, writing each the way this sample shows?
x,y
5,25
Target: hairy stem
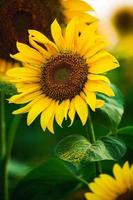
x,y
92,139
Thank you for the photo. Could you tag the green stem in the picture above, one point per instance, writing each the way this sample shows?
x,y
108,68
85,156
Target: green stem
x,y
92,139
3,173
6,157
3,125
11,135
10,141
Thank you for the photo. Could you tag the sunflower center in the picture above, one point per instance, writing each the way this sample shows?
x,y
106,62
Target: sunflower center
x,y
126,196
64,76
62,72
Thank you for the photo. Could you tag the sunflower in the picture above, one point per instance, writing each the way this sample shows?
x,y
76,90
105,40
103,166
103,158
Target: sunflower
x,y
61,78
108,188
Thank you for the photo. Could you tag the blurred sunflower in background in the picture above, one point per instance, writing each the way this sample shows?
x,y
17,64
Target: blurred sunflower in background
x,y
108,188
61,78
122,21
17,16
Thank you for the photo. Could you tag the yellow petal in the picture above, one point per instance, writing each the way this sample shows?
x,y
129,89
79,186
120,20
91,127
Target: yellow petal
x,y
24,97
18,72
99,86
26,108
126,175
81,108
24,87
109,182
102,62
37,108
117,171
40,38
98,46
84,18
61,112
94,77
42,51
72,112
50,124
71,34
28,51
90,98
26,59
84,43
104,190
91,196
77,5
66,108
57,35
47,114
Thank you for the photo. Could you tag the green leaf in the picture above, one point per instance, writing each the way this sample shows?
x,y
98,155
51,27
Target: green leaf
x,y
111,113
73,148
126,134
77,149
51,180
107,148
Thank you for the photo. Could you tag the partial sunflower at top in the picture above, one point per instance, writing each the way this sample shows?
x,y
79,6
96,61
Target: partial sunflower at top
x,y
61,77
17,16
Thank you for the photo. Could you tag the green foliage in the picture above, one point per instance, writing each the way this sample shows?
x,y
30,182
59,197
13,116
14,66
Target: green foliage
x,y
18,169
77,149
8,89
126,134
111,113
52,180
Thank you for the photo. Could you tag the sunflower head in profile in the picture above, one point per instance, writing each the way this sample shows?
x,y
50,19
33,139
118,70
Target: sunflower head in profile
x,y
61,78
123,20
108,188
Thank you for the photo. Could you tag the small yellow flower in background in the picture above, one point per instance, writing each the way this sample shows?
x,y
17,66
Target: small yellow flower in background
x,y
61,78
4,67
106,187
